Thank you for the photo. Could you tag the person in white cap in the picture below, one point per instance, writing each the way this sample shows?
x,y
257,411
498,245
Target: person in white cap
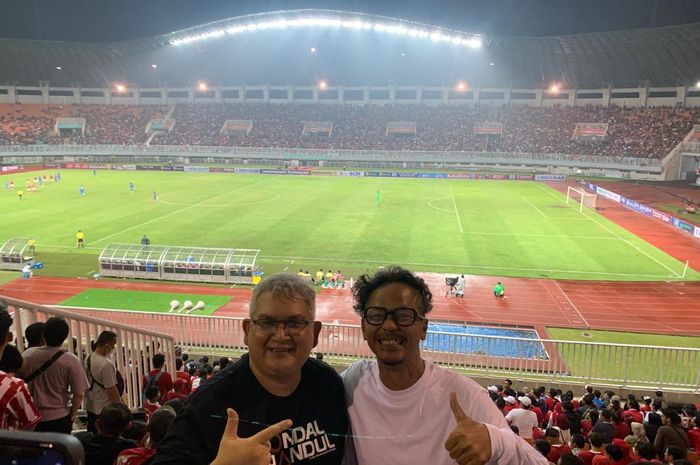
x,y
524,418
510,403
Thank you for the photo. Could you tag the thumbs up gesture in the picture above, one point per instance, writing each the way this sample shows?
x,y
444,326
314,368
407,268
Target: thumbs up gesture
x,y
469,443
254,450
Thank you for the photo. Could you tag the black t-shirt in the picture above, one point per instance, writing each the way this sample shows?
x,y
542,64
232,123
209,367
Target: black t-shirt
x,y
102,450
316,407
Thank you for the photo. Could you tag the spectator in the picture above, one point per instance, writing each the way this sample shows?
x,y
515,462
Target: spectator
x,y
158,377
671,433
34,334
179,391
11,360
672,454
157,429
151,404
577,443
17,409
613,454
102,378
553,436
646,451
137,432
596,441
393,305
605,426
543,447
274,381
56,379
524,418
180,373
570,459
694,434
102,447
622,429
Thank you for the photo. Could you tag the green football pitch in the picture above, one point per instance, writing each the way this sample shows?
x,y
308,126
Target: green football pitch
x,y
500,228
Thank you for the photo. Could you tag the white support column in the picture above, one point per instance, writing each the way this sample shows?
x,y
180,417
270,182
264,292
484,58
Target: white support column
x,y
606,97
266,93
341,94
12,94
392,94
538,97
218,96
643,92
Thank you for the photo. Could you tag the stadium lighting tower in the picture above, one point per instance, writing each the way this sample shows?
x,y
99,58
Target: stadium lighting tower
x,y
202,86
312,49
323,85
119,88
554,89
461,86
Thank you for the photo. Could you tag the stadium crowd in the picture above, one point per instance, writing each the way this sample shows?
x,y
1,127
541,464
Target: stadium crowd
x,y
632,132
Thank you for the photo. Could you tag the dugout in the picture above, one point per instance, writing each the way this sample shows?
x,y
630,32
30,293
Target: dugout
x,y
132,261
14,254
176,263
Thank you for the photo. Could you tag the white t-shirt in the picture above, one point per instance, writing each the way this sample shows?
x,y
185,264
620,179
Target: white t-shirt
x,y
411,426
524,419
105,373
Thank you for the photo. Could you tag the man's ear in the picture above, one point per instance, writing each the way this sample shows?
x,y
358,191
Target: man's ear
x,y
246,328
317,329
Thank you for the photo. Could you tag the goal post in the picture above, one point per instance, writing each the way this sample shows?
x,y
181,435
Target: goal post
x,y
579,198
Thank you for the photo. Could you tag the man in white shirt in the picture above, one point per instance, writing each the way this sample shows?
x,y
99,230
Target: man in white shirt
x,y
404,409
524,418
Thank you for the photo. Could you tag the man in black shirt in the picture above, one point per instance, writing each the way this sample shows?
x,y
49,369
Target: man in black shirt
x,y
227,420
103,447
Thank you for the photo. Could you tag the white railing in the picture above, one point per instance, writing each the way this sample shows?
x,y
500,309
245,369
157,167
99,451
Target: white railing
x,y
489,158
621,365
135,346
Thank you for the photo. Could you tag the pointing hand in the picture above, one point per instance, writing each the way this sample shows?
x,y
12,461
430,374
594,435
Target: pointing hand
x,y
254,450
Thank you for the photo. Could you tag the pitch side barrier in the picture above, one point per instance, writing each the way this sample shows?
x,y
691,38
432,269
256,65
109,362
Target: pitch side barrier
x,y
310,171
567,163
536,360
645,210
135,345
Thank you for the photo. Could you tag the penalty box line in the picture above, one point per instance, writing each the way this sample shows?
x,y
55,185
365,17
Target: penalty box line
x,y
618,236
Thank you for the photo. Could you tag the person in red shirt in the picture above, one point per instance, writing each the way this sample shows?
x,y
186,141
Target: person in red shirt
x,y
164,380
596,442
553,437
632,413
694,435
646,406
180,391
17,409
181,374
646,452
151,404
622,429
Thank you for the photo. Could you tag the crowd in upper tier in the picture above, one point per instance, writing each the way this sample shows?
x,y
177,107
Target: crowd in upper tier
x,y
632,132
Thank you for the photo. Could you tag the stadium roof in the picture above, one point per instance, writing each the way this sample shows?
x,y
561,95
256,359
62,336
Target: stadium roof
x,y
409,54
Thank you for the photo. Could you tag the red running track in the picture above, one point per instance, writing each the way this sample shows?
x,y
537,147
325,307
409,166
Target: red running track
x,y
670,308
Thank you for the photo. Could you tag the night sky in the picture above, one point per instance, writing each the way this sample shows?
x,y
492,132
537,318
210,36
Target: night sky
x,y
112,20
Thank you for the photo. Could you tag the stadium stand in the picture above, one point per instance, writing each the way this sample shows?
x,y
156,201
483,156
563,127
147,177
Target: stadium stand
x,y
631,132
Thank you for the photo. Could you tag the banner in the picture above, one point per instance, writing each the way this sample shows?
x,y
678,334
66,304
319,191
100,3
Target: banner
x,y
7,169
196,169
550,177
606,193
350,173
289,172
697,232
246,170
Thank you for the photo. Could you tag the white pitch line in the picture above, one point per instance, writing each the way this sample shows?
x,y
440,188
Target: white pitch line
x,y
560,236
534,206
572,304
158,218
454,204
457,265
627,242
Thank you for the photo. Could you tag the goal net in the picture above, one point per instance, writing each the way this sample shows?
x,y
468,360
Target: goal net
x,y
579,198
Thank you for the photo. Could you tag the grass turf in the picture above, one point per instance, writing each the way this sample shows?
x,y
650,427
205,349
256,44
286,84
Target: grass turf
x,y
642,366
7,276
501,228
157,302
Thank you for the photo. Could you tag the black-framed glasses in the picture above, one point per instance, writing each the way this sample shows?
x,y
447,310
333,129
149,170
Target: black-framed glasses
x,y
292,326
402,316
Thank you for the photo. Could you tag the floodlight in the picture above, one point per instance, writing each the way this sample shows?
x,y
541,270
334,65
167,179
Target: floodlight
x,y
554,89
475,42
202,86
312,49
119,87
697,84
323,85
492,64
461,86
59,68
154,66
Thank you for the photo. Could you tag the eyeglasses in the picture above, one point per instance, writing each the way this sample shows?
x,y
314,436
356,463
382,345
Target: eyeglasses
x,y
402,316
293,326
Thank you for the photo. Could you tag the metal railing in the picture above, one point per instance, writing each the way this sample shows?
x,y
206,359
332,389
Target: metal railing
x,y
135,346
490,158
547,361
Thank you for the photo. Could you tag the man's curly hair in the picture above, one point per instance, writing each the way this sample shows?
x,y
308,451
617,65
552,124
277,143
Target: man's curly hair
x,y
367,284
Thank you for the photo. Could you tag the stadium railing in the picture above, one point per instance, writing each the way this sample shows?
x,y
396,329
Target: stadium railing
x,y
487,158
135,345
543,360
